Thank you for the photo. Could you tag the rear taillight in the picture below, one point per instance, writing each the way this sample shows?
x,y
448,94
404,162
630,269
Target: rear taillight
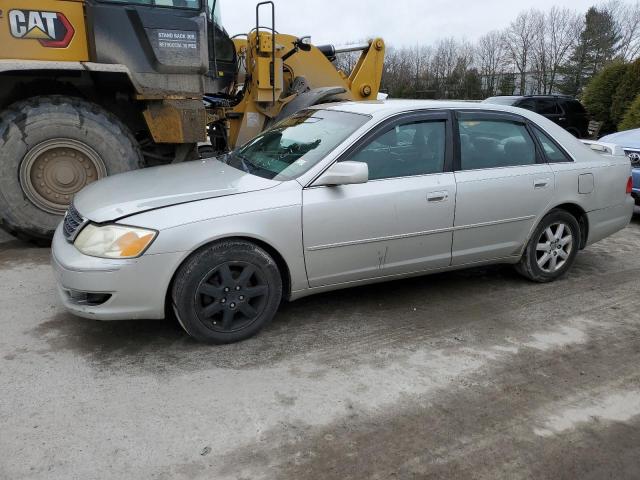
x,y
629,185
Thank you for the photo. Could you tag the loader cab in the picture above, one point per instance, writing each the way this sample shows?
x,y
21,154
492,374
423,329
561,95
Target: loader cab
x,y
171,47
222,51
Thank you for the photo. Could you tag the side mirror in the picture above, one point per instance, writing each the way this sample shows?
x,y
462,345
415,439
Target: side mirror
x,y
344,173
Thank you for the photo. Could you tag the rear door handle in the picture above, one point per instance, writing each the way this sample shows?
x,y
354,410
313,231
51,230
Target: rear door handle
x,y
437,196
541,182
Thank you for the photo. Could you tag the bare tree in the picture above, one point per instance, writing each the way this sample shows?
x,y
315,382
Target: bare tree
x,y
519,41
627,24
530,54
562,28
420,60
491,59
443,64
540,58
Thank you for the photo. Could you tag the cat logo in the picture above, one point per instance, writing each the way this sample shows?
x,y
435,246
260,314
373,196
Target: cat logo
x,y
51,29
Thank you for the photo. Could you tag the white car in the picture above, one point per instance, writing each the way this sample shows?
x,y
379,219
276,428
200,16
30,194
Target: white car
x,y
623,143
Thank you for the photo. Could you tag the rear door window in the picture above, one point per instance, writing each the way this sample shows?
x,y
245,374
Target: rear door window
x,y
527,104
547,106
494,143
573,107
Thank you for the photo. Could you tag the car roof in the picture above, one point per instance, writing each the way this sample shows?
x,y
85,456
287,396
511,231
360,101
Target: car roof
x,y
395,106
519,97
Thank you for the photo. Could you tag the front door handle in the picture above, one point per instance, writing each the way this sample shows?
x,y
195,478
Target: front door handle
x,y
541,182
437,196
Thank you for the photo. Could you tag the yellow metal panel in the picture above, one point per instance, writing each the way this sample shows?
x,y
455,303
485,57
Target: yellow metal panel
x,y
266,43
265,89
366,76
43,30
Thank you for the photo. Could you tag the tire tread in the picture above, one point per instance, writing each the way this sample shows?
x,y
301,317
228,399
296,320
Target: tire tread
x,y
18,112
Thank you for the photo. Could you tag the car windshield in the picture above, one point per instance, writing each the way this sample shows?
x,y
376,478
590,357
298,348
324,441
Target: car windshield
x,y
296,144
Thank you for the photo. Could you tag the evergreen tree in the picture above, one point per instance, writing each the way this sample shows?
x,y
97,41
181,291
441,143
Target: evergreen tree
x,y
507,84
596,47
472,85
599,93
632,117
626,92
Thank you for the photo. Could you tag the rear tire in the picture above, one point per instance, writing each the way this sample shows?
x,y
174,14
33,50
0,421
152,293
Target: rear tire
x,y
50,148
552,248
227,292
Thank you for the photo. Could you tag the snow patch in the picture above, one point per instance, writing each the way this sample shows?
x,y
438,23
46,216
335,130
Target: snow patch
x,y
504,349
561,337
619,407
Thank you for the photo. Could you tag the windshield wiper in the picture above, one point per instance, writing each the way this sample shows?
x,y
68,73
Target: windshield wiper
x,y
224,158
246,165
236,160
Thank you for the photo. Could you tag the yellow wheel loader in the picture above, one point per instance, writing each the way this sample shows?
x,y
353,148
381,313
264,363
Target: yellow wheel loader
x,y
90,88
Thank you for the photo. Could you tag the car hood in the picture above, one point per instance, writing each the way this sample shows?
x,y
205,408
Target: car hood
x,y
134,192
626,139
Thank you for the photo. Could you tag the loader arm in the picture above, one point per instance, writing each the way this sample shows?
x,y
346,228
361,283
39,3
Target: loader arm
x,y
303,79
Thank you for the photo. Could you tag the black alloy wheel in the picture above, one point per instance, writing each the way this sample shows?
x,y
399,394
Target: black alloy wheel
x,y
227,291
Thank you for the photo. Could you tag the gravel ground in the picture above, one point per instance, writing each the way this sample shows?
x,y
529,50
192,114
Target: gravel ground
x,y
475,374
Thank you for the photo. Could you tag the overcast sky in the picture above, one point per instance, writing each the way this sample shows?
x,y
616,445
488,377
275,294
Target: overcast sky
x,y
399,22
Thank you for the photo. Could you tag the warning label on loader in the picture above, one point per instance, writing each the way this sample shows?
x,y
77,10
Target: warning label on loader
x,y
177,40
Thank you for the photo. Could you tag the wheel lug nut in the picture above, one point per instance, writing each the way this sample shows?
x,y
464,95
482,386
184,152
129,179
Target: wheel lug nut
x,y
233,305
224,300
241,297
238,287
226,289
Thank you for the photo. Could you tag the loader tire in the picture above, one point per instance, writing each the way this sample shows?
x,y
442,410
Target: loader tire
x,y
50,148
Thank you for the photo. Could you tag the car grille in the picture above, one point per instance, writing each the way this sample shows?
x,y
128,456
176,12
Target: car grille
x,y
72,223
634,155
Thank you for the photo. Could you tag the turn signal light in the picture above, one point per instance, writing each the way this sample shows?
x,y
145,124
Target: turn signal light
x,y
629,185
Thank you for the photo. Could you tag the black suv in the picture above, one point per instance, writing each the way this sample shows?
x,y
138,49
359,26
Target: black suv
x,y
566,111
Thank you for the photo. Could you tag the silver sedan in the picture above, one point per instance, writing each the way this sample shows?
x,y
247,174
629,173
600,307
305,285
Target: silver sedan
x,y
336,196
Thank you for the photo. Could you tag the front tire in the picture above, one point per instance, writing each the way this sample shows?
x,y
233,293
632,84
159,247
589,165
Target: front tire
x,y
552,248
50,148
227,292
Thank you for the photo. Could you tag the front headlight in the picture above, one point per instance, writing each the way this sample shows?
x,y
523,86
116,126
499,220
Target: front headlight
x,y
114,241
